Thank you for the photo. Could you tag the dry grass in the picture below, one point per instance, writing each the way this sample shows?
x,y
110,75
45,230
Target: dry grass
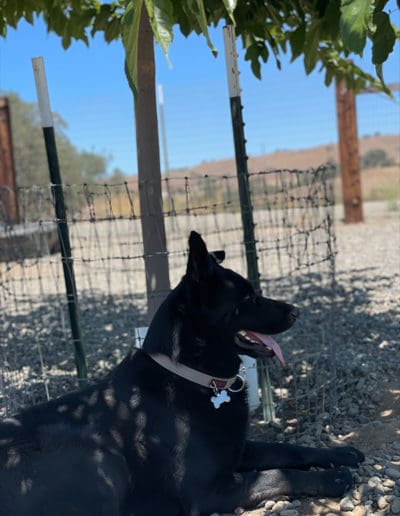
x,y
210,194
381,184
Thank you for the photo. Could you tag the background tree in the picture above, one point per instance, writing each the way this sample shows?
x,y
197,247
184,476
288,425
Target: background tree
x,y
30,155
376,158
117,175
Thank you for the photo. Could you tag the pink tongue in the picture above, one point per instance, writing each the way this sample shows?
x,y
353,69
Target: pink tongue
x,y
269,342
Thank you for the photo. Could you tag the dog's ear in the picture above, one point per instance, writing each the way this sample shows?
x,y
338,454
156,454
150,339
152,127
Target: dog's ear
x,y
218,255
199,262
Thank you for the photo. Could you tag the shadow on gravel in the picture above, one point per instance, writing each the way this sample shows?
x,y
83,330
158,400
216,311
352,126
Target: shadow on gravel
x,y
354,330
339,353
36,348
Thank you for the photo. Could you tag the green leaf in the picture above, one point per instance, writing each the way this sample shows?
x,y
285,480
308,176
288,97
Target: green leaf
x,y
28,15
330,23
130,39
113,30
379,72
383,39
66,40
10,15
197,14
101,19
311,47
354,23
296,40
380,4
329,74
161,20
256,68
230,6
263,51
182,19
252,54
55,20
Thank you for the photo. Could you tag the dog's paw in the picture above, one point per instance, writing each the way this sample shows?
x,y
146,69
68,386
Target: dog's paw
x,y
336,482
345,456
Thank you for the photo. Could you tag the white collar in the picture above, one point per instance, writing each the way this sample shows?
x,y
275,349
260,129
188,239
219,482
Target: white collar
x,y
212,382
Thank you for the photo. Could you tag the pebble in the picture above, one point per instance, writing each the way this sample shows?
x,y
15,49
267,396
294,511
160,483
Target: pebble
x,y
392,473
374,482
388,482
395,505
364,490
382,502
346,504
353,410
289,512
281,506
269,504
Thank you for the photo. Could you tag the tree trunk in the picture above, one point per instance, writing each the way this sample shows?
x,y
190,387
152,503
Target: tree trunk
x,y
148,156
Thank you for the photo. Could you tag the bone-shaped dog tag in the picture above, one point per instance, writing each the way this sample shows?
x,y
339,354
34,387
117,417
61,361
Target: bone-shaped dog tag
x,y
220,398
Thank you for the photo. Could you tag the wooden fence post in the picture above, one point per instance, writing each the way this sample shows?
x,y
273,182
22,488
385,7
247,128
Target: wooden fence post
x,y
348,153
8,185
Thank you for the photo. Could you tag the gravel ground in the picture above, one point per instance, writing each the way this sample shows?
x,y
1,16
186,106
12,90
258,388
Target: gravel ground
x,y
367,330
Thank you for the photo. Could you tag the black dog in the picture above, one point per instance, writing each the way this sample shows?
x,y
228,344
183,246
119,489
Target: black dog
x,y
165,433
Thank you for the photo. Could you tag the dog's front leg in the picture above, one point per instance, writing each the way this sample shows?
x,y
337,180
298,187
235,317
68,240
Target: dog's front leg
x,y
249,489
258,455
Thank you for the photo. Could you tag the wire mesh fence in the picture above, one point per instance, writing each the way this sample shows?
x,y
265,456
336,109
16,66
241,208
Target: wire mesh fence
x,y
295,241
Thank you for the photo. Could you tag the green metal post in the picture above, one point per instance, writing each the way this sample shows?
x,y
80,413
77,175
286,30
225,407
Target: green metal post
x,y
61,216
246,208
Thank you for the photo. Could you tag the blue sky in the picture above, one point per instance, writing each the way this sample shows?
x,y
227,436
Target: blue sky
x,y
286,110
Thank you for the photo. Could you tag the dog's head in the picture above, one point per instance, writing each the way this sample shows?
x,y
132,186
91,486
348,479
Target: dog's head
x,y
225,304
214,315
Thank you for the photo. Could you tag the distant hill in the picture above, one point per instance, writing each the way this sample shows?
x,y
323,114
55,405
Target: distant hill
x,y
290,159
300,159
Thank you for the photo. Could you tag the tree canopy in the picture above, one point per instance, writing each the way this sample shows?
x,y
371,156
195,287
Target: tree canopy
x,y
324,32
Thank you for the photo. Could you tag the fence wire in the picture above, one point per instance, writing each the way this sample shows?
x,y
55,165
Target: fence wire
x,y
295,241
